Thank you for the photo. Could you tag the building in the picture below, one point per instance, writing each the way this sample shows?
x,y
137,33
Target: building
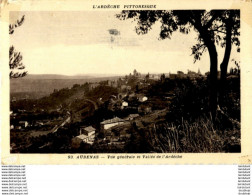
x,y
124,105
193,75
38,123
131,117
172,76
155,77
87,135
18,127
14,99
112,83
88,131
180,75
123,87
142,98
111,123
78,140
23,124
93,85
121,95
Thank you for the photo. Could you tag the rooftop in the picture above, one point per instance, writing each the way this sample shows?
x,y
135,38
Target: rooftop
x,y
22,122
89,128
82,136
113,120
133,115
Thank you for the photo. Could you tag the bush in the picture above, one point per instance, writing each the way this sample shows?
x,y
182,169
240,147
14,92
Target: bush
x,y
191,98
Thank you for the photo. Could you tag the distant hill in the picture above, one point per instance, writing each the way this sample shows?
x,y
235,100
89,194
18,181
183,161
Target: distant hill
x,y
39,85
58,76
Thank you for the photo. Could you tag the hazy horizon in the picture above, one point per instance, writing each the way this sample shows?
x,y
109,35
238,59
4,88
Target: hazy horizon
x,y
107,74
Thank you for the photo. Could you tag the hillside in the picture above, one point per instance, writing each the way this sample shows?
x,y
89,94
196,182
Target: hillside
x,y
72,97
37,86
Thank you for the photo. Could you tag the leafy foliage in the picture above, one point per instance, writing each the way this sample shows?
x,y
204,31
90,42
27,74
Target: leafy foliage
x,y
103,92
15,63
187,105
15,58
17,24
212,22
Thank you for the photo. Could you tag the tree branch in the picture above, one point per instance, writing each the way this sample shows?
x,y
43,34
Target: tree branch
x,y
215,30
216,14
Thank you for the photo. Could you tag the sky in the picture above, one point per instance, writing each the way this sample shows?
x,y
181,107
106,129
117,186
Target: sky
x,y
74,43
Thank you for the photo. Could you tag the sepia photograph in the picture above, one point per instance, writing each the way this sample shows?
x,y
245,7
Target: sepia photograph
x,y
125,81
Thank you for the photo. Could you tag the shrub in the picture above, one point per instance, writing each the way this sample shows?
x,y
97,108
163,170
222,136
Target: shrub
x,y
191,98
200,136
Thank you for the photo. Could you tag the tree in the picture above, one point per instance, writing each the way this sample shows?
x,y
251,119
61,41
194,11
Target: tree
x,y
147,76
135,73
15,58
236,70
162,78
205,23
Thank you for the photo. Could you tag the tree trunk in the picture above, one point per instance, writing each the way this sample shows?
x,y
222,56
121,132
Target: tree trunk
x,y
213,74
213,95
213,80
224,64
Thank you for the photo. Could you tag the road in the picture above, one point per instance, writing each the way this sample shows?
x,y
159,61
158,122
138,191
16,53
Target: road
x,y
55,129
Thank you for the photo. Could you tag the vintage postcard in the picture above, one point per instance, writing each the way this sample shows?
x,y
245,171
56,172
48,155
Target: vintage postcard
x,y
125,82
